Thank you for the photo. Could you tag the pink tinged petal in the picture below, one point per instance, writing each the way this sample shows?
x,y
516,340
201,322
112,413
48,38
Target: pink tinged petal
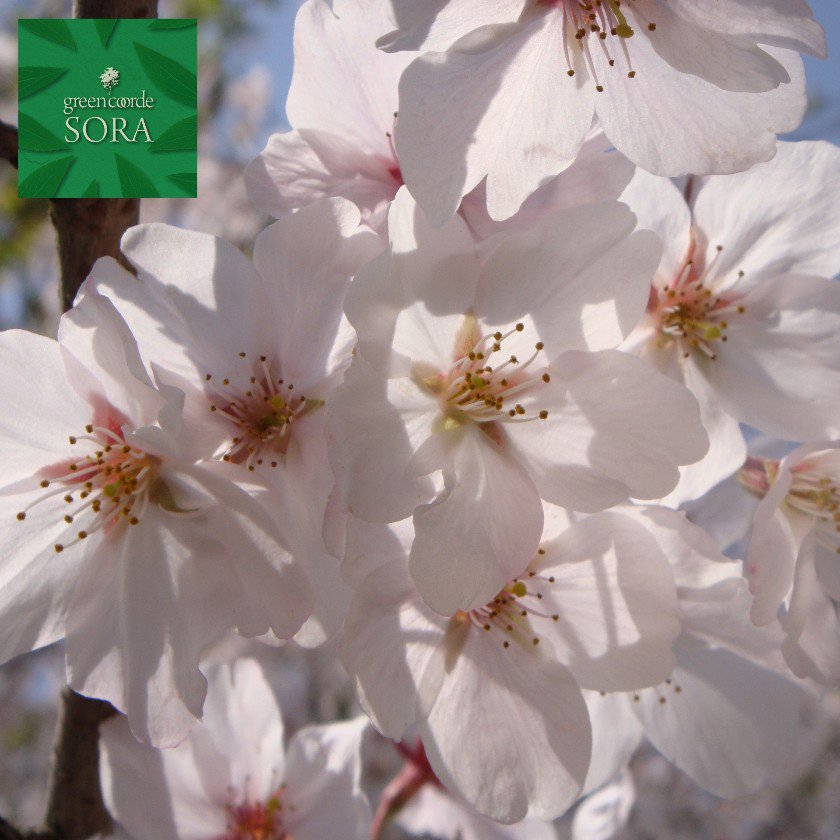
x,y
659,206
480,532
777,218
342,83
46,408
599,173
432,25
524,747
606,811
615,602
784,23
583,274
780,368
376,426
812,625
386,642
143,612
102,360
139,784
323,783
299,167
731,725
277,589
671,123
307,261
615,428
493,120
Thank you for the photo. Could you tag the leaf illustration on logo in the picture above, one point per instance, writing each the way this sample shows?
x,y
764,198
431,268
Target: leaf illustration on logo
x,y
105,28
92,190
35,137
172,23
181,137
187,181
46,181
52,29
172,78
133,181
32,80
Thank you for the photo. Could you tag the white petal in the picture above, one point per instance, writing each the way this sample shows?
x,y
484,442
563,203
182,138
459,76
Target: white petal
x,y
616,603
144,610
385,645
731,724
493,120
430,25
582,273
672,123
615,428
342,83
525,746
480,533
780,368
307,260
606,811
775,219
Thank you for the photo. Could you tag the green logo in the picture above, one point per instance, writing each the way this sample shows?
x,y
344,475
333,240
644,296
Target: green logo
x,y
107,108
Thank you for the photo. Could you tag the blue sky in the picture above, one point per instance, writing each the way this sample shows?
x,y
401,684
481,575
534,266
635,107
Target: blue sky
x,y
273,48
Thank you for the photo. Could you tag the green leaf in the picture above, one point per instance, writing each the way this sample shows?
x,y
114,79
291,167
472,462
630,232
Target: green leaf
x,y
181,137
92,191
105,28
32,80
35,137
172,78
172,23
133,180
46,181
187,181
51,29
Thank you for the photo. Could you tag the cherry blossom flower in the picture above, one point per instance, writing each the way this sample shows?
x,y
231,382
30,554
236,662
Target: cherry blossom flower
x,y
257,350
793,555
739,309
495,691
342,106
119,538
232,778
677,86
344,145
473,393
727,714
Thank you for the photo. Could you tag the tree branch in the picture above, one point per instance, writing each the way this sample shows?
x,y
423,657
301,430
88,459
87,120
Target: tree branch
x,y
9,152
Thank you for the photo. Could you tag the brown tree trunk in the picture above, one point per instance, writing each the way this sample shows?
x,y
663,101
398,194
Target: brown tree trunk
x,y
87,228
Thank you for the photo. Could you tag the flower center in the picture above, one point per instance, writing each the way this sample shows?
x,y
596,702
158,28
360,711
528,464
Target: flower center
x,y
814,491
590,25
515,611
263,407
689,314
473,389
109,484
257,821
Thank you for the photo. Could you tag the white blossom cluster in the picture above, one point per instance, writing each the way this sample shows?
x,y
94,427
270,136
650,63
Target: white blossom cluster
x,y
536,265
